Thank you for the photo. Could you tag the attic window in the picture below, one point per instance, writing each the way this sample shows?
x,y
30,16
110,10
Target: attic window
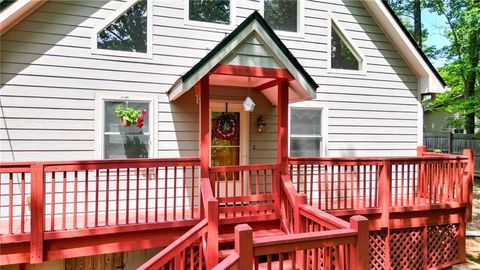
x,y
282,15
343,56
210,11
128,32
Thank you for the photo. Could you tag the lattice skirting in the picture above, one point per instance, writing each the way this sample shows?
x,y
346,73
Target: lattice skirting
x,y
407,246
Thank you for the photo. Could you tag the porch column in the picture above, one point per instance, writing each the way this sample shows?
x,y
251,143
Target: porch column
x,y
282,127
204,126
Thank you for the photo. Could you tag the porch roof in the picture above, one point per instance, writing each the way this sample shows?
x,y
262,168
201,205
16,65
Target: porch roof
x,y
254,31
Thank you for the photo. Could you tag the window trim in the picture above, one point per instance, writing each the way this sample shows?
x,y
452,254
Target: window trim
x,y
300,33
102,97
230,26
110,19
334,23
309,105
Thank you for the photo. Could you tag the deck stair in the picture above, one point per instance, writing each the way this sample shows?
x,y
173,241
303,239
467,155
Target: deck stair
x,y
227,240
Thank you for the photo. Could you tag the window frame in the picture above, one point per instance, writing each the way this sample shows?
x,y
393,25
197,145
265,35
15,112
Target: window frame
x,y
110,19
300,33
102,98
362,63
323,128
230,26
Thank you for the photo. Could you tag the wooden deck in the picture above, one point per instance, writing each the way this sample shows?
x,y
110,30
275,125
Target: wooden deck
x,y
413,207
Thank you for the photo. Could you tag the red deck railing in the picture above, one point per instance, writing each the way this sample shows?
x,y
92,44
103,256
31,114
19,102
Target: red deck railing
x,y
246,190
340,249
359,183
403,197
54,200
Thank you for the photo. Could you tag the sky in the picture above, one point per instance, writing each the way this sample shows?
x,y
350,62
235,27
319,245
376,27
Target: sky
x,y
436,25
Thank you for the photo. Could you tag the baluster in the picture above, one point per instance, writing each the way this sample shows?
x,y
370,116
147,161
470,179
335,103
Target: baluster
x,y
165,198
107,196
175,193
75,194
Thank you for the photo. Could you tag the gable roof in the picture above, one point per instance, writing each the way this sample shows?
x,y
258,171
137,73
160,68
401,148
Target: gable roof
x,y
252,24
430,80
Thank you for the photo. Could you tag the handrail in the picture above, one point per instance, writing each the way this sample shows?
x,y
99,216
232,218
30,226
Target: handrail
x,y
289,189
206,192
210,209
228,262
305,160
245,167
105,161
293,242
177,246
329,221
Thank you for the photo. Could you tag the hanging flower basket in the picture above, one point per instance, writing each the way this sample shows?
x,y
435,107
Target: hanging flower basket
x,y
128,115
225,127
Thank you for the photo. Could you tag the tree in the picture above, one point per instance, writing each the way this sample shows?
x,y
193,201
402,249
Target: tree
x,y
408,11
462,73
128,32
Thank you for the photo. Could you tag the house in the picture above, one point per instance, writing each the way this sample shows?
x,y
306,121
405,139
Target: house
x,y
438,120
335,87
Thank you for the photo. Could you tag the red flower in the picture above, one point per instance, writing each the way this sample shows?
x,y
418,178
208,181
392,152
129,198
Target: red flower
x,y
144,112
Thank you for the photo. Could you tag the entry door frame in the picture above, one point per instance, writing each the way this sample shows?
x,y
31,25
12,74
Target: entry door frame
x,y
233,106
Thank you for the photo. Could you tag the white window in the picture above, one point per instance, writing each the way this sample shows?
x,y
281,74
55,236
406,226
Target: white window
x,y
284,15
306,132
215,13
343,55
117,139
127,32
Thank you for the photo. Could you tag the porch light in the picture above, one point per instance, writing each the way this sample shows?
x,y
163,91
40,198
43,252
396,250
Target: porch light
x,y
261,125
248,104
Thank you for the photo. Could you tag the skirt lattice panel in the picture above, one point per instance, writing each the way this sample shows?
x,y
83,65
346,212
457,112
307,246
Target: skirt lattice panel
x,y
377,249
442,244
406,248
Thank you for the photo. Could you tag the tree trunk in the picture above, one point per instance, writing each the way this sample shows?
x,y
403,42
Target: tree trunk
x,y
417,22
470,84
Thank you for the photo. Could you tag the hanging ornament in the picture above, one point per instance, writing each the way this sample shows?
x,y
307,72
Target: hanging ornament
x,y
248,104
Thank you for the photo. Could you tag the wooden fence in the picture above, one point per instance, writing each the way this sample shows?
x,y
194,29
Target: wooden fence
x,y
454,144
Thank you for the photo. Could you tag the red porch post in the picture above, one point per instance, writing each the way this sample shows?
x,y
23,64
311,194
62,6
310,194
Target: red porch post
x,y
282,127
204,126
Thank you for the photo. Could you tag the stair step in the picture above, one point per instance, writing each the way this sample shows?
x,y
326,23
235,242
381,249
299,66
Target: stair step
x,y
287,265
229,237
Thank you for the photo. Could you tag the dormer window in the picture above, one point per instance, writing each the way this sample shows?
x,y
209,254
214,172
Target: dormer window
x,y
343,55
210,11
127,32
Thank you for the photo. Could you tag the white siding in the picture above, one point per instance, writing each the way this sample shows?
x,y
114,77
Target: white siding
x,y
49,78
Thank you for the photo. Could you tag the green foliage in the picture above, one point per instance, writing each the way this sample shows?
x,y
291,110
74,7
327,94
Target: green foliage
x,y
128,32
405,11
215,11
281,14
461,74
128,113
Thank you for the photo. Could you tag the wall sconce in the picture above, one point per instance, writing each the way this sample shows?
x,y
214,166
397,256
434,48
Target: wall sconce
x,y
261,125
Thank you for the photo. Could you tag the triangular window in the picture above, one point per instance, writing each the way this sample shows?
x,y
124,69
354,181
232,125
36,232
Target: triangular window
x,y
343,56
128,32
